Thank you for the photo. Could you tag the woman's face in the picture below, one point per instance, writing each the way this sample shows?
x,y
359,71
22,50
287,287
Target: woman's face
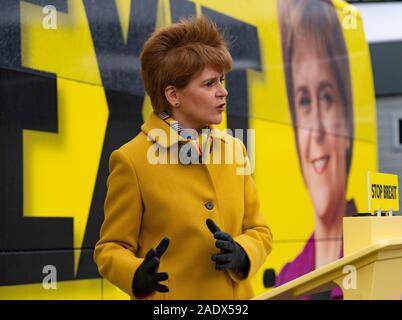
x,y
202,101
322,135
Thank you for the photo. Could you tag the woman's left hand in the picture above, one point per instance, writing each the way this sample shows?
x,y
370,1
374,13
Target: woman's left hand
x,y
232,256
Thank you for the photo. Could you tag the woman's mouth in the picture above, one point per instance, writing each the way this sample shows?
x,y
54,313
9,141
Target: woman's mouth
x,y
221,107
320,164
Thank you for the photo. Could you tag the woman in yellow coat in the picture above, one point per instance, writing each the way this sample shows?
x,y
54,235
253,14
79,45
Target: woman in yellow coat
x,y
182,217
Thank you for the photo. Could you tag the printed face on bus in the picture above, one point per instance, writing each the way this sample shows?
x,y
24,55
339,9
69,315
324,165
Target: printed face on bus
x,y
322,135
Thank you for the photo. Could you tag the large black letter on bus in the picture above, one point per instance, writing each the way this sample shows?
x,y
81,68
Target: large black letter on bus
x,y
120,72
27,244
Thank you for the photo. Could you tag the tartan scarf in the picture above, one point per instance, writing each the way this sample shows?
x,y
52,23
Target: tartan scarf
x,y
195,142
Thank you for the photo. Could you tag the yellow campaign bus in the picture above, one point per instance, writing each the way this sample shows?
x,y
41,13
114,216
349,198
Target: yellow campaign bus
x,y
71,93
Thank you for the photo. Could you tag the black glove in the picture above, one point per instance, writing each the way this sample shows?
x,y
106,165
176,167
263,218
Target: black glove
x,y
232,256
146,278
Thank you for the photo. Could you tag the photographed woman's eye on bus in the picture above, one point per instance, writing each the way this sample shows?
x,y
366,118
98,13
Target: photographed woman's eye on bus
x,y
326,97
303,101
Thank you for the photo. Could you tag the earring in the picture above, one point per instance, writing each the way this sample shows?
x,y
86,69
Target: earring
x,y
177,104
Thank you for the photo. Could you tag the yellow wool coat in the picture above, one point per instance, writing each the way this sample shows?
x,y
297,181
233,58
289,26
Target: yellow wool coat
x,y
146,202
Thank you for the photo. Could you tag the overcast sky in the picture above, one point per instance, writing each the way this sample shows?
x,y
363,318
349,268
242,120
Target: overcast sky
x,y
382,21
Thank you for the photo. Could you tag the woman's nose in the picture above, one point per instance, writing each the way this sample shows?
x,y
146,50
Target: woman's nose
x,y
317,127
222,92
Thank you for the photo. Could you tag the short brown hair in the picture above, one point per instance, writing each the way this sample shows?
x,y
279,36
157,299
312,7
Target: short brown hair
x,y
177,53
318,20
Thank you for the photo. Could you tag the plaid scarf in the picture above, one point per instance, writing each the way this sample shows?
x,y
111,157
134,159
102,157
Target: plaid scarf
x,y
195,142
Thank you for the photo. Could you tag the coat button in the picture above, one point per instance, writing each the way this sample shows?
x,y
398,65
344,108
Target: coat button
x,y
209,205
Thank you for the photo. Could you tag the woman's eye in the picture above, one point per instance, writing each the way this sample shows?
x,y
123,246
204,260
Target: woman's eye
x,y
222,80
304,101
209,83
327,98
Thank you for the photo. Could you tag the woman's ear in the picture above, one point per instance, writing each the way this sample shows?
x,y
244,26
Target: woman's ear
x,y
171,96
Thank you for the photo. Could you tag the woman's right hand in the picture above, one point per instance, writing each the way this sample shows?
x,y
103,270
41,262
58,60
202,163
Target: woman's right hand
x,y
147,277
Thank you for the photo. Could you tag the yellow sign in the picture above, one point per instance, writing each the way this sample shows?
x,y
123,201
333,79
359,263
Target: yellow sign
x,y
382,192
